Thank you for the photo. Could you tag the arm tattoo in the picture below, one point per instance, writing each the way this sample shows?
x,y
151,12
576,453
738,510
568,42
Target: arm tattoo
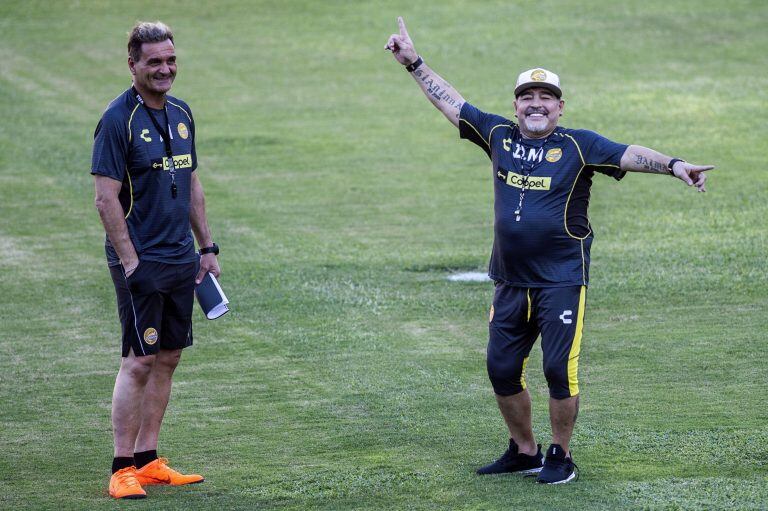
x,y
651,165
439,92
434,90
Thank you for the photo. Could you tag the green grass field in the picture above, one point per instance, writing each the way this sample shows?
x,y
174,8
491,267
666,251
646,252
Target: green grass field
x,y
350,373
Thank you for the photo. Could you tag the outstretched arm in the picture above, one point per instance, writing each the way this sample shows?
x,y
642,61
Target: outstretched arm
x,y
642,159
439,92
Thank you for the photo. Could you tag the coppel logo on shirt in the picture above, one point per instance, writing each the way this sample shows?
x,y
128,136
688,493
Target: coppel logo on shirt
x,y
181,161
529,183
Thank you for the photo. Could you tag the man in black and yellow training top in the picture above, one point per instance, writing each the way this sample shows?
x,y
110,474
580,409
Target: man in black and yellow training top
x,y
150,201
542,238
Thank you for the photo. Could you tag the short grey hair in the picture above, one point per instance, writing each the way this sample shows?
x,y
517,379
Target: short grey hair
x,y
147,32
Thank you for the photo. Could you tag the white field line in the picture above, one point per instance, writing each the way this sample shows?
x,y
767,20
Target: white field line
x,y
470,276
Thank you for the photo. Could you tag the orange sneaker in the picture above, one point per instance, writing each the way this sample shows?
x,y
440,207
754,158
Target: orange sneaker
x,y
158,472
123,485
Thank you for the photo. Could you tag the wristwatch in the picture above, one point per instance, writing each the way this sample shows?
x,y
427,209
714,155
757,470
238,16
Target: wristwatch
x,y
413,66
213,249
671,165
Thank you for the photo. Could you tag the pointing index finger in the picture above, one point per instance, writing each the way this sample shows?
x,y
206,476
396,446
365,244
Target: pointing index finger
x,y
401,23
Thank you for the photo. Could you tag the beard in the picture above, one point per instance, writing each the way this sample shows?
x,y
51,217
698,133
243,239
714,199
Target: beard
x,y
537,127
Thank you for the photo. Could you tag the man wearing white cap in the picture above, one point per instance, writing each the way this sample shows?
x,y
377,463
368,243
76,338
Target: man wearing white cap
x,y
542,239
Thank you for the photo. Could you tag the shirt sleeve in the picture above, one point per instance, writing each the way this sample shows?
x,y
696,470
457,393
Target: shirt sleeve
x,y
603,155
476,125
110,147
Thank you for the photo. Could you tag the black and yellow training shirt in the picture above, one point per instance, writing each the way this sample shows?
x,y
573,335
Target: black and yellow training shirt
x,y
128,148
542,234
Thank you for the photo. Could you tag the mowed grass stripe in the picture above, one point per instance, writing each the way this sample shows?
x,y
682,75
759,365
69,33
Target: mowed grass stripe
x,y
350,374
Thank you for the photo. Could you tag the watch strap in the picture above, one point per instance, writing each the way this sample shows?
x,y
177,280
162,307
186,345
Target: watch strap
x,y
213,249
413,66
671,165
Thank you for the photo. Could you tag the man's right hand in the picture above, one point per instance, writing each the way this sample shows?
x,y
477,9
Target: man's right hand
x,y
130,266
401,45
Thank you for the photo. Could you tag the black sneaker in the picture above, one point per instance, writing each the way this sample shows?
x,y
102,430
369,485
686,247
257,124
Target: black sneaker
x,y
514,462
557,468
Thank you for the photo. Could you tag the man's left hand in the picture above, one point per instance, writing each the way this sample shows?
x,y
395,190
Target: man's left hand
x,y
692,175
208,263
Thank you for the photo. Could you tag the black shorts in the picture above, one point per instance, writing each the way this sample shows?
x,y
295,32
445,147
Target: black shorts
x,y
518,316
155,306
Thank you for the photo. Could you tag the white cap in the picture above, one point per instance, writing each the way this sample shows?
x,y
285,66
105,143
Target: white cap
x,y
538,77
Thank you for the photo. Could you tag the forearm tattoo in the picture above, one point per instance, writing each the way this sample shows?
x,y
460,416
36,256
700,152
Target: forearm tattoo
x,y
438,91
651,165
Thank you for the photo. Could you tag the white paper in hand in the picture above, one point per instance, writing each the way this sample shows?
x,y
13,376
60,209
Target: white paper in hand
x,y
211,297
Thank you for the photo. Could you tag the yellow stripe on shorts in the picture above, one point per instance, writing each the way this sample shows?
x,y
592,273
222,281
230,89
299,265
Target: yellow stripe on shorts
x,y
528,295
522,373
573,356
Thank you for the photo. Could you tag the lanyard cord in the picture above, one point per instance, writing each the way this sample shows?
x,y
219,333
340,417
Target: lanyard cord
x,y
527,169
166,136
523,186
